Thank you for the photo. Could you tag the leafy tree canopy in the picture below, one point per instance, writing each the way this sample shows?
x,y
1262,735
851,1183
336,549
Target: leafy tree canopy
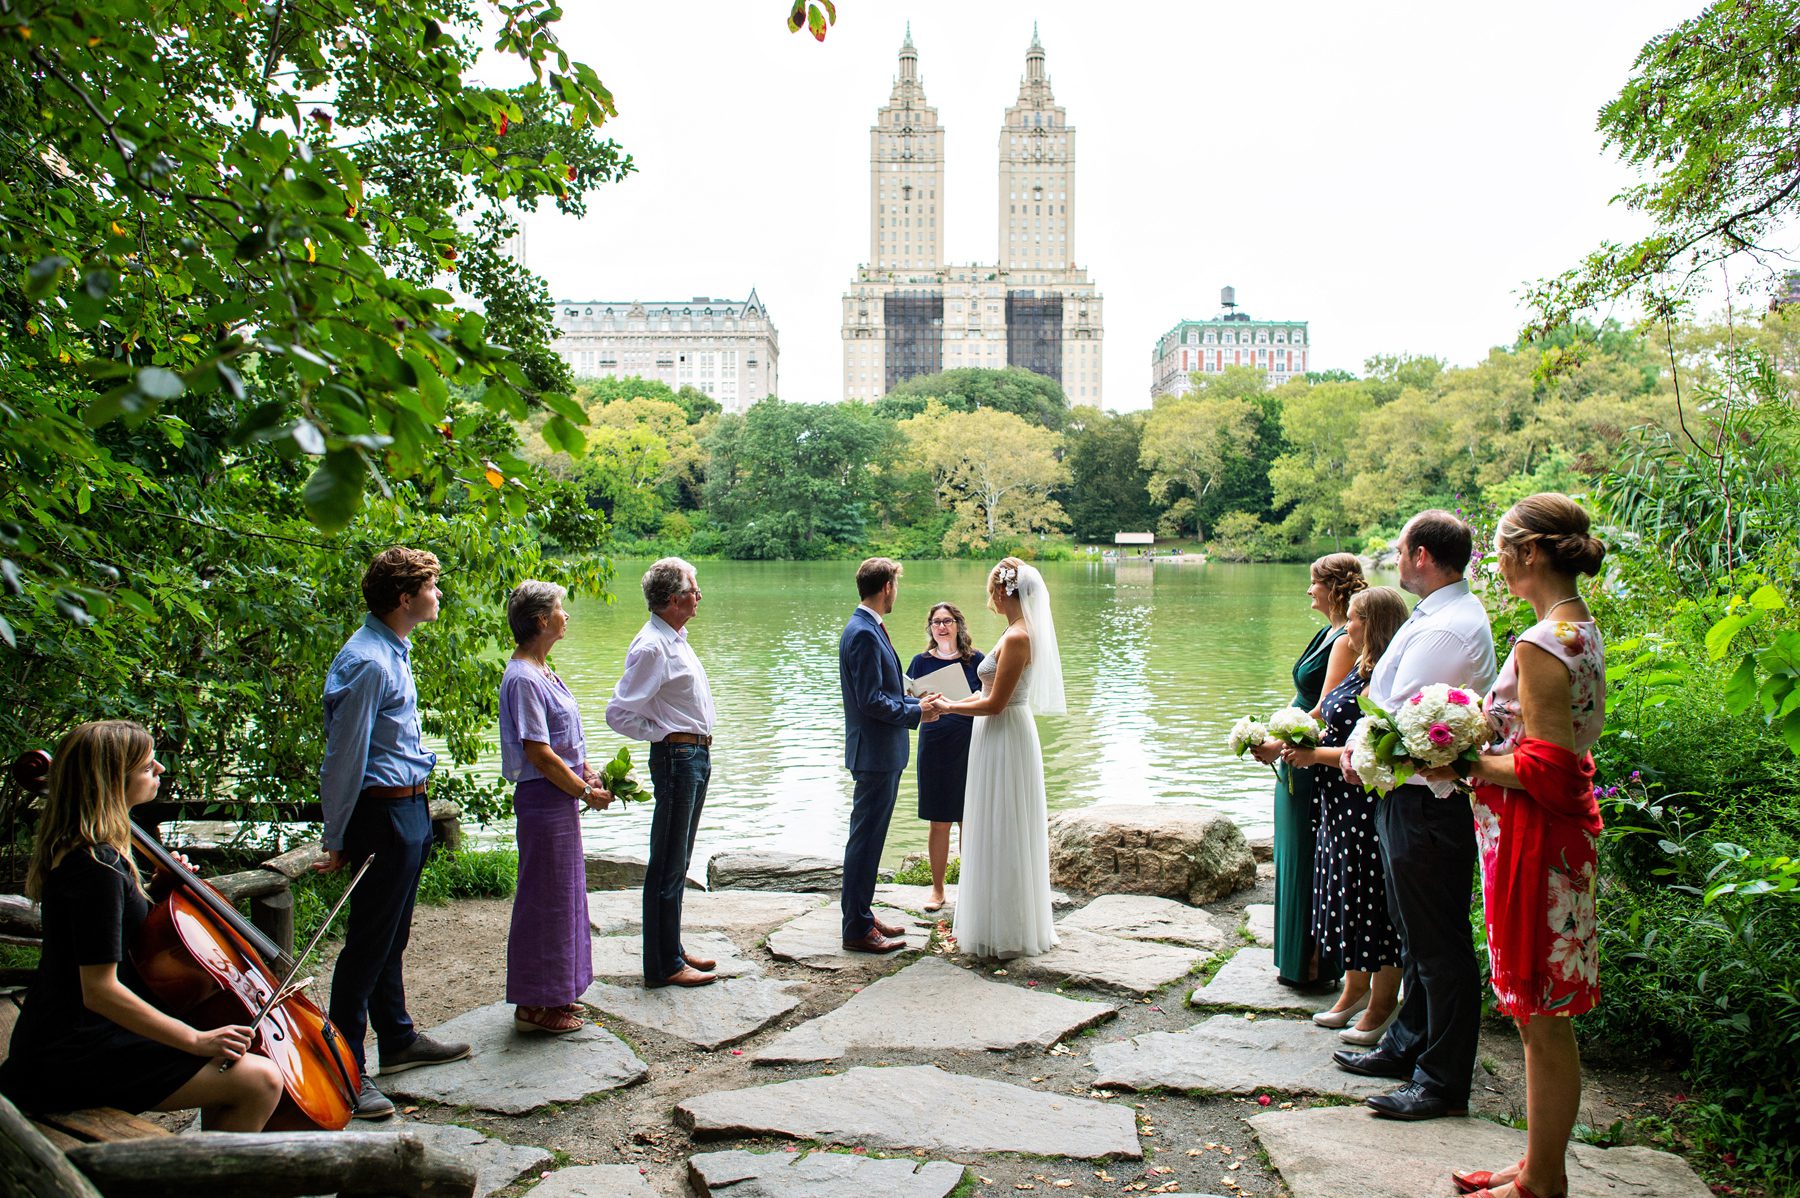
x,y
1034,397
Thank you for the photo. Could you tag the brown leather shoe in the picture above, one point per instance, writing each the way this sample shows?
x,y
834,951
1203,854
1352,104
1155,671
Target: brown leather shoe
x,y
687,975
873,941
701,963
892,931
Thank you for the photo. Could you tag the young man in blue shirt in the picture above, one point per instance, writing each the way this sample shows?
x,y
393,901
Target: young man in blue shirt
x,y
373,790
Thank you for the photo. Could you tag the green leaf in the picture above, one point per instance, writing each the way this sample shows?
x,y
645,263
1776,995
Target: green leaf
x,y
153,382
334,493
1790,732
40,280
1740,688
1720,635
1767,598
560,434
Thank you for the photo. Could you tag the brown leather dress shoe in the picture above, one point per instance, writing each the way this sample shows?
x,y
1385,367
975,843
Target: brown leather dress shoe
x,y
703,964
892,931
687,975
873,941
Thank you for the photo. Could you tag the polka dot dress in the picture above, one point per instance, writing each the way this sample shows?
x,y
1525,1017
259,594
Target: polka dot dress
x,y
1349,915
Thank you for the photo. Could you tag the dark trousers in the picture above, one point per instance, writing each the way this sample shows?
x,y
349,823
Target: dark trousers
x,y
678,775
366,986
870,810
1428,849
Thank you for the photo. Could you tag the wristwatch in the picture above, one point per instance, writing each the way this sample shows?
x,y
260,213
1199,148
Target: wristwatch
x,y
587,792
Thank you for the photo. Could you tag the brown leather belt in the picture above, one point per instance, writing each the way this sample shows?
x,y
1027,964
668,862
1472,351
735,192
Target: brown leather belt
x,y
394,792
686,738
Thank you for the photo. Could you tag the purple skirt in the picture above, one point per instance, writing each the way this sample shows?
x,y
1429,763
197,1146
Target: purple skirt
x,y
549,953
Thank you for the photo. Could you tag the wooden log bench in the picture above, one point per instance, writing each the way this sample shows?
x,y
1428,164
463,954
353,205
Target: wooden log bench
x,y
105,1153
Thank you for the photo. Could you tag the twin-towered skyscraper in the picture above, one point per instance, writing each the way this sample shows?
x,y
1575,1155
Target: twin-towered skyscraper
x,y
909,313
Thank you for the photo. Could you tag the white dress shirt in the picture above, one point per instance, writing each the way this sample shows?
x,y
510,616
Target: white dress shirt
x,y
664,688
1447,639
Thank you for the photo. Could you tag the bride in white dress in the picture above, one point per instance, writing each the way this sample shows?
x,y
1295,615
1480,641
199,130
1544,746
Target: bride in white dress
x,y
1003,897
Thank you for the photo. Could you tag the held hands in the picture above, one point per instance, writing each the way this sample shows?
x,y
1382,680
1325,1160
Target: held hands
x,y
230,1042
931,707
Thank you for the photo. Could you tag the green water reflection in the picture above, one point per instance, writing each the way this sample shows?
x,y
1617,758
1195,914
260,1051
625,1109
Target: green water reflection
x,y
1158,661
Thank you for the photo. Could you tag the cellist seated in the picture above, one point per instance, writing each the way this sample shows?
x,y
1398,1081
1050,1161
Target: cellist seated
x,y
87,1036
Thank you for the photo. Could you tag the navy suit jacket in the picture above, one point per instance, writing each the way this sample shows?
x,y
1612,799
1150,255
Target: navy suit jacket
x,y
877,710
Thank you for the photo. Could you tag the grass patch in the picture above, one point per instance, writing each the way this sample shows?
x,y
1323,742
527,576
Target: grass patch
x,y
22,957
449,874
916,871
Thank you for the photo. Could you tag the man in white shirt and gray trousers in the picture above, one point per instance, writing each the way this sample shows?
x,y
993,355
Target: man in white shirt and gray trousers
x,y
664,698
1427,839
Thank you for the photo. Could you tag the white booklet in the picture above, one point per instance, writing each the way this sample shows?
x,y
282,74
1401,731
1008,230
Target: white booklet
x,y
949,682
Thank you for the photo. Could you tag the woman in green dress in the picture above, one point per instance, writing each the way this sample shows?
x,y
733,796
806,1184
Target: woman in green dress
x,y
1328,658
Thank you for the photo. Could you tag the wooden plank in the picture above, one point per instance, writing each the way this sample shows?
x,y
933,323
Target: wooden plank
x,y
104,1123
295,862
248,883
19,917
273,914
62,1139
31,1165
276,1165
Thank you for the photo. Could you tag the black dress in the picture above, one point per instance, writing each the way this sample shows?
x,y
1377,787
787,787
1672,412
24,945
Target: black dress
x,y
1350,921
63,1056
944,748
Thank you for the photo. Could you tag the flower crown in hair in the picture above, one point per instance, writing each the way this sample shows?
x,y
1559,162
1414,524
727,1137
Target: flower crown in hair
x,y
1009,578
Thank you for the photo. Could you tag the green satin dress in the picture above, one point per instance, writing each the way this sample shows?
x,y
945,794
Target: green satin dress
x,y
1296,827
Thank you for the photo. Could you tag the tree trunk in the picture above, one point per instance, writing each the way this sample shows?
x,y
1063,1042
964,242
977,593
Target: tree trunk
x,y
31,1166
275,1165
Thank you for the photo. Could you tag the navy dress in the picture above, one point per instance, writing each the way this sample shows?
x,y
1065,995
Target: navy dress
x,y
1350,920
944,748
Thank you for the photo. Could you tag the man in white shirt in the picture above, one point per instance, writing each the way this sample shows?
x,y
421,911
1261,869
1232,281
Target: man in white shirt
x,y
665,699
1427,839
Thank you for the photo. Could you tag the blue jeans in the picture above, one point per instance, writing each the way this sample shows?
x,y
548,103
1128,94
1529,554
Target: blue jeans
x,y
678,775
870,810
366,986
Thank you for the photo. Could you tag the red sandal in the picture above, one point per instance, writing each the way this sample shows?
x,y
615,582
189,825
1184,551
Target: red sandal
x,y
1472,1181
1519,1191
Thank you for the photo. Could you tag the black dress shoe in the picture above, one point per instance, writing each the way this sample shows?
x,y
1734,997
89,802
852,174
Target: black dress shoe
x,y
1372,1064
1414,1101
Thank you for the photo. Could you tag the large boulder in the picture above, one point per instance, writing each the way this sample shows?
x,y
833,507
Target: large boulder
x,y
1172,851
763,869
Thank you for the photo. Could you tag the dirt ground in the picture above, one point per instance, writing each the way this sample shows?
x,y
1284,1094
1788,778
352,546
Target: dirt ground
x,y
457,961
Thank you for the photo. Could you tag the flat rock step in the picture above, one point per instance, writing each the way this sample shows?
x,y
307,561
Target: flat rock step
x,y
1329,1152
751,912
1228,1054
818,1175
513,1072
916,1107
1146,917
932,1006
714,1016
623,956
767,869
816,939
595,1181
496,1163
1083,958
1247,982
1259,918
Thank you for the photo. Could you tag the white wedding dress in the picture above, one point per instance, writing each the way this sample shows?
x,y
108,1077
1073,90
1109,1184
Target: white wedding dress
x,y
1003,897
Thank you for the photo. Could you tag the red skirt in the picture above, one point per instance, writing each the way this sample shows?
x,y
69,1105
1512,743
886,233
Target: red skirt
x,y
1539,856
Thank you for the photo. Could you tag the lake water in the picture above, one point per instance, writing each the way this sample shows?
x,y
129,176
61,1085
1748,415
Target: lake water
x,y
1158,661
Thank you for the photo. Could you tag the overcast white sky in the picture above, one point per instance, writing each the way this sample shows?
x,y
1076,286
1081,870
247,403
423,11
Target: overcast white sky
x,y
1392,173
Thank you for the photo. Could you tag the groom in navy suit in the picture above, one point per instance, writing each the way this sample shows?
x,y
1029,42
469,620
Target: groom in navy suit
x,y
878,713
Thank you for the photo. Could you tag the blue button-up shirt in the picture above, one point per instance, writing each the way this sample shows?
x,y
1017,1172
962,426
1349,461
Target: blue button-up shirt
x,y
372,735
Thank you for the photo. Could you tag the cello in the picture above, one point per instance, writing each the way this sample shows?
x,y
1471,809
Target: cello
x,y
205,964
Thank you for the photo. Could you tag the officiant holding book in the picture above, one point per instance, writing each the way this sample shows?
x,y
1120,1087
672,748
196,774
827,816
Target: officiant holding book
x,y
944,743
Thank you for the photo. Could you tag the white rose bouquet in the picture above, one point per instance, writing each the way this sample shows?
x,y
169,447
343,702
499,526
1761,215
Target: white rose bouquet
x,y
1247,734
1291,726
1441,725
1376,774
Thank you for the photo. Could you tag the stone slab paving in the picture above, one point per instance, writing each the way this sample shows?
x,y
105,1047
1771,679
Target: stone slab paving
x,y
496,1163
623,956
932,1005
1331,1152
914,1107
767,869
706,1016
1083,958
818,1175
595,1181
513,1072
1229,1054
752,912
1248,982
816,939
1260,919
914,898
1146,917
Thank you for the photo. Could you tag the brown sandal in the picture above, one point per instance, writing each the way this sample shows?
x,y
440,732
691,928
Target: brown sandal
x,y
555,1020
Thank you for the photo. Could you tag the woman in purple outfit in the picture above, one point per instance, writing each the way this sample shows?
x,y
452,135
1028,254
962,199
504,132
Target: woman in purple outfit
x,y
549,958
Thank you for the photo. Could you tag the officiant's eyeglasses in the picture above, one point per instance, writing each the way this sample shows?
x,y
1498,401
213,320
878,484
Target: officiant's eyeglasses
x,y
942,620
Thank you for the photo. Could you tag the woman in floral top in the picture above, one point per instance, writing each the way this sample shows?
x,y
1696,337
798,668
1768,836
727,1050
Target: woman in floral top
x,y
1536,826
